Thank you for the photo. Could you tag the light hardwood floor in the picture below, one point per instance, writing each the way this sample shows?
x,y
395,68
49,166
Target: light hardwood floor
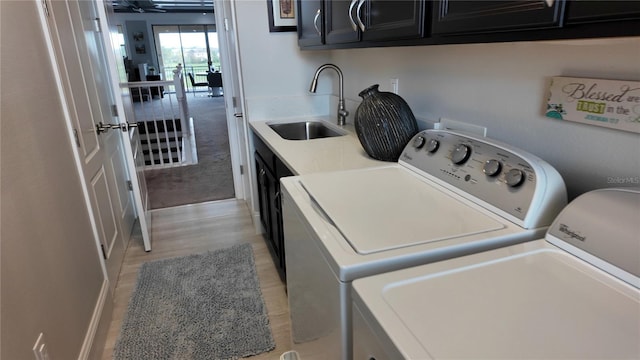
x,y
198,228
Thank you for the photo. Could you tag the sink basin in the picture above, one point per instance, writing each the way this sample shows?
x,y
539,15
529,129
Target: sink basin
x,y
305,130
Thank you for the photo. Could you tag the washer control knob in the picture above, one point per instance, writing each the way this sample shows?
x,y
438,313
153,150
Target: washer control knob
x,y
418,142
433,145
492,167
461,154
515,177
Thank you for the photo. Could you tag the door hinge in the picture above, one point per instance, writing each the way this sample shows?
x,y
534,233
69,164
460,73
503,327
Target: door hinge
x,y
104,253
75,136
114,110
241,169
226,24
97,26
234,101
129,185
45,6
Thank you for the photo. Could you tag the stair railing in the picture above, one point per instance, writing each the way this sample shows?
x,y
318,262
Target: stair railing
x,y
160,108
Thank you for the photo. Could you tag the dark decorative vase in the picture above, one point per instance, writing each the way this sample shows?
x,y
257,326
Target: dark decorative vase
x,y
384,124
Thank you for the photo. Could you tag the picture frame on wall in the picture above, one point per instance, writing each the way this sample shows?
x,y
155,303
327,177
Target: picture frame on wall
x,y
140,49
138,36
282,15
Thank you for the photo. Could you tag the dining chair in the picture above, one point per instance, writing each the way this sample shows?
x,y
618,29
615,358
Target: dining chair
x,y
195,84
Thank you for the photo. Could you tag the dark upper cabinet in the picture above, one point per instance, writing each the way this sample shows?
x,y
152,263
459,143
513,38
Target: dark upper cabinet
x,y
368,23
349,21
463,17
310,22
588,11
394,20
340,21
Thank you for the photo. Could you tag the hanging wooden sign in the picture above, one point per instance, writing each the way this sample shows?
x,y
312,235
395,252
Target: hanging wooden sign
x,y
609,103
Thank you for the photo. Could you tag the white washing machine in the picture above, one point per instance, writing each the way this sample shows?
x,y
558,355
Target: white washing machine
x,y
572,295
449,195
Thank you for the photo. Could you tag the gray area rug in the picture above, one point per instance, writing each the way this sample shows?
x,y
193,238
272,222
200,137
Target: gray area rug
x,y
204,306
211,179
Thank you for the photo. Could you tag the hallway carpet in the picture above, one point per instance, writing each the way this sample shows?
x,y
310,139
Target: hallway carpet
x,y
211,178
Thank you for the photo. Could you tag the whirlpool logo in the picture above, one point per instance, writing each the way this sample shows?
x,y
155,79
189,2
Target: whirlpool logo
x,y
572,234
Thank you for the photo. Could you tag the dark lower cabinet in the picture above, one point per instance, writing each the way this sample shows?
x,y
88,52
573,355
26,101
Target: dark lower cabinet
x,y
269,170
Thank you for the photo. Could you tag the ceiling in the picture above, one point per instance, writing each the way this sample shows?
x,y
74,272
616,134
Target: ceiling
x,y
162,6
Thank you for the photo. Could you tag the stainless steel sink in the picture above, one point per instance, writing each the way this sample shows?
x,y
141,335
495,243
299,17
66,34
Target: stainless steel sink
x,y
305,130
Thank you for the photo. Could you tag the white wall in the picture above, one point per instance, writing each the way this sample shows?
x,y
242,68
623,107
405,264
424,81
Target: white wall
x,y
276,74
503,86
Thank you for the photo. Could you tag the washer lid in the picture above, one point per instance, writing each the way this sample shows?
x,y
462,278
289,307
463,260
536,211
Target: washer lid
x,y
386,208
547,304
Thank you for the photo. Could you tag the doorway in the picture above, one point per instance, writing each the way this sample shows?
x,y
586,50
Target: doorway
x,y
211,178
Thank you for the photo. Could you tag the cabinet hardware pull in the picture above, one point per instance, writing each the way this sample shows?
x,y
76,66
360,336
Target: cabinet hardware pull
x,y
276,201
359,16
353,23
315,22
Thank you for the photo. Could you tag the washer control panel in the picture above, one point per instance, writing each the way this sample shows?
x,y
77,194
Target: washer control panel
x,y
493,172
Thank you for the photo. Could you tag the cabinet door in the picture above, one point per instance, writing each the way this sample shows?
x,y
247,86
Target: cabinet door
x,y
583,11
394,20
264,194
310,22
340,21
278,233
459,17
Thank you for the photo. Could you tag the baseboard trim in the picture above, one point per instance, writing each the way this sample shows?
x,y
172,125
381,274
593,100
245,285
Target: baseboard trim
x,y
256,222
89,338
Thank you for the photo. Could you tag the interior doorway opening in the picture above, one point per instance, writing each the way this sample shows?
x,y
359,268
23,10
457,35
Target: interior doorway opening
x,y
211,177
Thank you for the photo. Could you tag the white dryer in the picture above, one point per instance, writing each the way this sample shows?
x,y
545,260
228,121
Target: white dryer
x,y
449,195
572,295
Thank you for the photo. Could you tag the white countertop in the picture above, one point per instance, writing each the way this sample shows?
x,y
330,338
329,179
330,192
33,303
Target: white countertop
x,y
316,155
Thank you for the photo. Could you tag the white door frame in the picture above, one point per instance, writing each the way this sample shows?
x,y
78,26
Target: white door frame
x,y
234,98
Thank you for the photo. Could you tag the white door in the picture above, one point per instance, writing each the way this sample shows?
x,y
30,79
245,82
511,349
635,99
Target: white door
x,y
234,97
78,54
131,138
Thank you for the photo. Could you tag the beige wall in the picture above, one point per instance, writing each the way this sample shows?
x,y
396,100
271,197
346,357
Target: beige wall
x,y
49,266
503,86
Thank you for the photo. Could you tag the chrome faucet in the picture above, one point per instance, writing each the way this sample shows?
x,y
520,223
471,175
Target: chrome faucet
x,y
342,112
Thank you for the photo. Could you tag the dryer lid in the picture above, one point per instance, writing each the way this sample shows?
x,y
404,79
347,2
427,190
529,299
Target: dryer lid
x,y
542,304
386,208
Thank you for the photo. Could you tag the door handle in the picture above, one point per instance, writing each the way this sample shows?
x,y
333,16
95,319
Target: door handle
x,y
103,128
127,126
238,115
